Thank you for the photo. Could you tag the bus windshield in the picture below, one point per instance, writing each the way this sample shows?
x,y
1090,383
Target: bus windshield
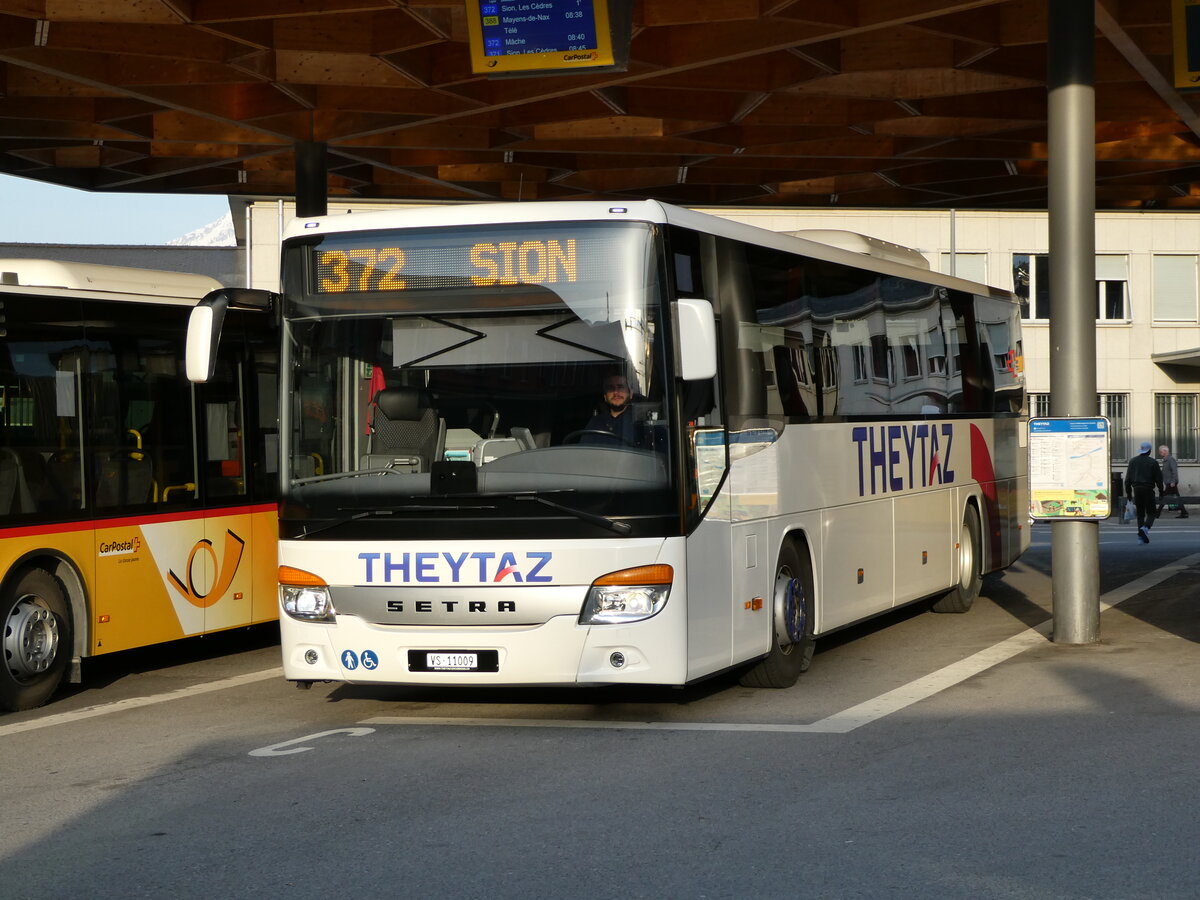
x,y
490,381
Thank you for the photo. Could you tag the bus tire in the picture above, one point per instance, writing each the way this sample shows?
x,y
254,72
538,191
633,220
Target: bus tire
x,y
960,598
792,624
37,639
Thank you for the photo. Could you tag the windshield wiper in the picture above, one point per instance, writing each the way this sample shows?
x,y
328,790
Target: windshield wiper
x,y
621,528
381,511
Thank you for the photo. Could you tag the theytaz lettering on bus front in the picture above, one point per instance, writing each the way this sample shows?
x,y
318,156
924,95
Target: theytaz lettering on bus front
x,y
896,457
432,567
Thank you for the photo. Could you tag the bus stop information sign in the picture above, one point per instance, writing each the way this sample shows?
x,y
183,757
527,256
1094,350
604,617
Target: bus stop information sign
x,y
528,35
1069,468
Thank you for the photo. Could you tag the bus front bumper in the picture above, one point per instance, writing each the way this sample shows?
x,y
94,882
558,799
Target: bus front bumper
x,y
559,652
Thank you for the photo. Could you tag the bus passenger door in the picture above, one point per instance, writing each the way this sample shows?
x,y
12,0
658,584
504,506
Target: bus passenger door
x,y
139,477
227,548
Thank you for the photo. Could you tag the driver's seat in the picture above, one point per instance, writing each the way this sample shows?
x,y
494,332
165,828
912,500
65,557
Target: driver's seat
x,y
406,432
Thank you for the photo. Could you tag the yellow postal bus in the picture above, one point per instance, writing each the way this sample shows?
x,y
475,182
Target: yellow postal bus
x,y
135,508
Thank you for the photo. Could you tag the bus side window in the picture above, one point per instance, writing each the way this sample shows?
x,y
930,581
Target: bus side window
x,y
140,425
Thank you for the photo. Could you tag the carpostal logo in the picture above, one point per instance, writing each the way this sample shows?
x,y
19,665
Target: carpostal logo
x,y
480,567
204,556
121,547
893,458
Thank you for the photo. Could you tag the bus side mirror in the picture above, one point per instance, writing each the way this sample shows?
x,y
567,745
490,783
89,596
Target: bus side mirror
x,y
203,336
204,326
695,339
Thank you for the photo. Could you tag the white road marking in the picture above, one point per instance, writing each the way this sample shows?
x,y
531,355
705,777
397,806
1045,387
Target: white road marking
x,y
278,749
105,709
591,723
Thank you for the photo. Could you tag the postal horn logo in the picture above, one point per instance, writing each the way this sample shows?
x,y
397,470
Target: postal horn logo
x,y
203,552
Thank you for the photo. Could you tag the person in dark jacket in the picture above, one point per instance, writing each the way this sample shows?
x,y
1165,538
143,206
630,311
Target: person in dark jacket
x,y
615,417
1142,477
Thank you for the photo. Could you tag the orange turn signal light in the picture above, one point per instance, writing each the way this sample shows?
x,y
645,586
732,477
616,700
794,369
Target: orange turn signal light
x,y
656,574
289,575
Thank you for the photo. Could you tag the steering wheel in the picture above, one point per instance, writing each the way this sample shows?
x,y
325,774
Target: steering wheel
x,y
576,435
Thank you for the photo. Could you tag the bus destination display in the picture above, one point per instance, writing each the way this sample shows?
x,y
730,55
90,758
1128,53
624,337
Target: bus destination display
x,y
369,268
530,35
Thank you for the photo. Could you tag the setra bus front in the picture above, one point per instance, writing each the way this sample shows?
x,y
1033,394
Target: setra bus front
x,y
486,472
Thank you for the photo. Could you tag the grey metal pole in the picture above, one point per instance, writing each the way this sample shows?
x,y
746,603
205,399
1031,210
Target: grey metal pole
x,y
1075,546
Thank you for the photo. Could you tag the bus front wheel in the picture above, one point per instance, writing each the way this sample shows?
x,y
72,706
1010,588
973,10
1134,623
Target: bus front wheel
x,y
970,568
792,636
37,639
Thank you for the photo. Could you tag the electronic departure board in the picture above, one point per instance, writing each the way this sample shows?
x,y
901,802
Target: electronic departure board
x,y
539,35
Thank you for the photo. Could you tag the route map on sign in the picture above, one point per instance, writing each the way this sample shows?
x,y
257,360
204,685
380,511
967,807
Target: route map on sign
x,y
1069,468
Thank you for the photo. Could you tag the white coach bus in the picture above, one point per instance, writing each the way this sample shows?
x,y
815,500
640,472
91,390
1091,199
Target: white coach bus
x,y
808,436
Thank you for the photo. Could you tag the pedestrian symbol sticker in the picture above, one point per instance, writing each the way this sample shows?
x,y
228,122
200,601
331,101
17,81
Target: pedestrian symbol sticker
x,y
350,660
370,660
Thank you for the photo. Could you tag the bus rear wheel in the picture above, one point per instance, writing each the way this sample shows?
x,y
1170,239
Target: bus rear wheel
x,y
37,639
962,596
792,645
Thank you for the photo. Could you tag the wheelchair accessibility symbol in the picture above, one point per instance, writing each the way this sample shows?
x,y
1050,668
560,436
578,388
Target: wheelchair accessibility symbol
x,y
370,660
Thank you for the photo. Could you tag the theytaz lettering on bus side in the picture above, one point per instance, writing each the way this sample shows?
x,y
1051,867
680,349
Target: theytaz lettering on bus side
x,y
903,456
432,567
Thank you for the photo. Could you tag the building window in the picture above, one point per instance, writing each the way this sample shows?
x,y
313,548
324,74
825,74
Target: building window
x,y
1115,408
1039,405
910,353
1175,424
1031,284
881,359
971,266
860,362
1175,288
936,348
1112,293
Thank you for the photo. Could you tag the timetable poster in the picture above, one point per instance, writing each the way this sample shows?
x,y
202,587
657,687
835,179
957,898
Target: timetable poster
x,y
1069,468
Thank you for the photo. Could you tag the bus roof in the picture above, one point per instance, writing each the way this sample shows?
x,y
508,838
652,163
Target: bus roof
x,y
107,280
844,247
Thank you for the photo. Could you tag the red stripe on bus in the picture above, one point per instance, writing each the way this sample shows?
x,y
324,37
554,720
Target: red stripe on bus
x,y
135,521
984,472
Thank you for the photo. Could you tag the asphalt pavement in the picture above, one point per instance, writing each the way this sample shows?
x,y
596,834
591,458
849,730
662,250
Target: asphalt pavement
x,y
923,755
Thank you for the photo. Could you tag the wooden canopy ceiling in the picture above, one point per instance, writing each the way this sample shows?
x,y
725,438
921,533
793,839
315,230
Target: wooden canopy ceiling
x,y
882,103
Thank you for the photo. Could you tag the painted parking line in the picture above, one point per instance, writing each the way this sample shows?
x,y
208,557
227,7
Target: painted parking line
x,y
839,723
105,709
848,719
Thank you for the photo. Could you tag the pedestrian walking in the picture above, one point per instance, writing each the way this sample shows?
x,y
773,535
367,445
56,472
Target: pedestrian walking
x,y
1170,474
1142,477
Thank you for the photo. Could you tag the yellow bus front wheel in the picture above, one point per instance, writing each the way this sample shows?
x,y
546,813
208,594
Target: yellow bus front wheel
x,y
37,639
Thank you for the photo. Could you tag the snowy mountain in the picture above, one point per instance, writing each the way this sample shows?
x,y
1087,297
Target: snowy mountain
x,y
215,234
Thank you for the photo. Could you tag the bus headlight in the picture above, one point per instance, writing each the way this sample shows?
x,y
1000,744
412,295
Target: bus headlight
x,y
629,595
305,596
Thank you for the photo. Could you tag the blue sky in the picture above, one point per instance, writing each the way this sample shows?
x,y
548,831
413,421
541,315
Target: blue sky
x,y
33,212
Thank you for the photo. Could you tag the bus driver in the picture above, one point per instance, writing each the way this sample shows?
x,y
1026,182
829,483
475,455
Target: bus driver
x,y
615,416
